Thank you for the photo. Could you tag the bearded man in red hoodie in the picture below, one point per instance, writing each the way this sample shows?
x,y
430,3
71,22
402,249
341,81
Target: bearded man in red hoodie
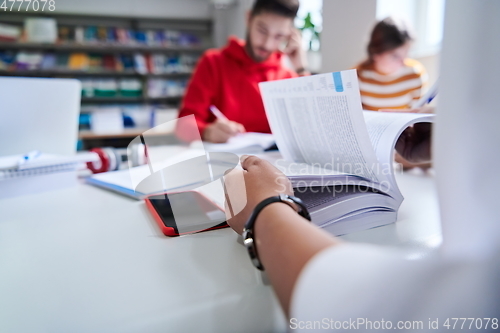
x,y
228,78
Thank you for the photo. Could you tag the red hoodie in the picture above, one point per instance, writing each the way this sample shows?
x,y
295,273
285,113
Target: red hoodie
x,y
228,78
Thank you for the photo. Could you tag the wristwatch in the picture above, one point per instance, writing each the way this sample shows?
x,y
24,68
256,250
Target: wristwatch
x,y
248,233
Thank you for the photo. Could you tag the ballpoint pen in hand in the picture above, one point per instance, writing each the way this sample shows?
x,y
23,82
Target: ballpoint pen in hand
x,y
217,113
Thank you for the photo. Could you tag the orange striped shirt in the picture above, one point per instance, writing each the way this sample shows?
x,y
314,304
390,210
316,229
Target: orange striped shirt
x,y
394,91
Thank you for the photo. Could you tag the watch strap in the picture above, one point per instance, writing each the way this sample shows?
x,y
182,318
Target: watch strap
x,y
248,232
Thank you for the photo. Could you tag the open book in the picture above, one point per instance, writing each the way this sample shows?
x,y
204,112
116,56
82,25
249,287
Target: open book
x,y
338,157
248,143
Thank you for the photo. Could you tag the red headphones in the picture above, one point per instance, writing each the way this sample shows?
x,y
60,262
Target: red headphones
x,y
111,159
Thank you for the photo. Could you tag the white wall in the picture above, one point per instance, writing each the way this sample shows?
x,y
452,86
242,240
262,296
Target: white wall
x,y
466,132
346,28
231,21
199,9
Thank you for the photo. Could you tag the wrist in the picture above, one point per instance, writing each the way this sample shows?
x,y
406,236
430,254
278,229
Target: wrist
x,y
274,214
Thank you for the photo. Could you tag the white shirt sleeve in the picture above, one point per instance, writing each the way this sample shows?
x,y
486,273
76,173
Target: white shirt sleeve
x,y
367,287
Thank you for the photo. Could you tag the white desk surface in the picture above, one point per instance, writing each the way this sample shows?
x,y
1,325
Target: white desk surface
x,y
83,259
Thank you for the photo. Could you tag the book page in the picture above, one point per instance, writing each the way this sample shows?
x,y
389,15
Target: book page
x,y
384,129
319,119
249,142
314,198
291,169
187,170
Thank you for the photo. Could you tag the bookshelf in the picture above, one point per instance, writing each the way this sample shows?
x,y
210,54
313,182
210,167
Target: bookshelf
x,y
154,56
103,47
90,73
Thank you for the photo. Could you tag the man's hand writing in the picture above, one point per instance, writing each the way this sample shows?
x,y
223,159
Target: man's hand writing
x,y
221,130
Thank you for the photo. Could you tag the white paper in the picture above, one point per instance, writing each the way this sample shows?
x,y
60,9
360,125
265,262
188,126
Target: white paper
x,y
44,161
27,185
107,120
384,128
242,143
316,121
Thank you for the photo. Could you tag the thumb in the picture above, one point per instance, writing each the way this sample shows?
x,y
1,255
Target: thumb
x,y
234,192
249,162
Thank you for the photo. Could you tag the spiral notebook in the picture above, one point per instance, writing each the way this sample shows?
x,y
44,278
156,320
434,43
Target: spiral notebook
x,y
11,174
46,172
10,165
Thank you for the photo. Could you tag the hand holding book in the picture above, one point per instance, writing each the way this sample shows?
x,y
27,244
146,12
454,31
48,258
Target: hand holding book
x,y
258,180
345,155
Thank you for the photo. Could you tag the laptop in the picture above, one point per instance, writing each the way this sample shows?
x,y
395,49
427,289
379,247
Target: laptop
x,y
39,114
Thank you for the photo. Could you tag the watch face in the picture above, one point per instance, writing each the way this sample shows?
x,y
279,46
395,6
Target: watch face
x,y
252,251
247,238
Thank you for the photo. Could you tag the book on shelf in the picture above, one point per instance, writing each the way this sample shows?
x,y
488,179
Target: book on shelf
x,y
47,30
48,61
121,36
40,29
78,61
7,60
97,63
339,158
9,33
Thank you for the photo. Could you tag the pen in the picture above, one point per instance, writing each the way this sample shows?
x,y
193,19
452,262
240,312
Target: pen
x,y
428,97
220,116
29,156
217,113
431,98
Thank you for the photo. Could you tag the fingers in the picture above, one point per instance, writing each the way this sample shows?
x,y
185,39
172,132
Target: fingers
x,y
235,127
423,128
254,163
243,158
427,109
241,128
222,130
414,144
294,42
290,48
260,168
217,136
296,36
228,127
248,162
